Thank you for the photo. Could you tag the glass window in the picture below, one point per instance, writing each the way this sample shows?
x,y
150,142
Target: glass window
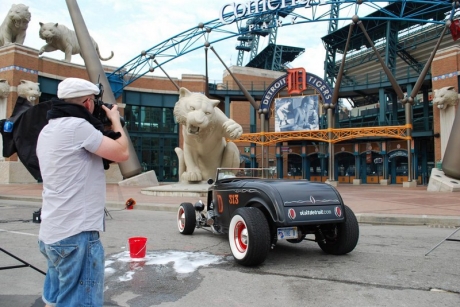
x,y
294,165
153,131
318,165
374,164
346,164
168,122
132,118
150,119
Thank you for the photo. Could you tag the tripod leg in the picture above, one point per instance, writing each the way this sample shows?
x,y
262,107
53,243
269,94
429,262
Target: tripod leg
x,y
20,260
107,213
443,241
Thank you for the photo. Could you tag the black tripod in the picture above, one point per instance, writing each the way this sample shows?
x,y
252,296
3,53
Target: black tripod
x,y
446,239
24,265
107,213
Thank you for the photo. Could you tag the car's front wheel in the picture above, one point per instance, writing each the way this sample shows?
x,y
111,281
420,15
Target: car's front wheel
x,y
340,239
186,219
249,236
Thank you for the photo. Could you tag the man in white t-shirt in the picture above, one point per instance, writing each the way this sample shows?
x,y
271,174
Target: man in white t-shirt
x,y
70,150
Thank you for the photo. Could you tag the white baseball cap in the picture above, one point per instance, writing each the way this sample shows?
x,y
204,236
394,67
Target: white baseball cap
x,y
76,87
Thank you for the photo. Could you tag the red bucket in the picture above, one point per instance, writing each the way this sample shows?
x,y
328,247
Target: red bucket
x,y
137,247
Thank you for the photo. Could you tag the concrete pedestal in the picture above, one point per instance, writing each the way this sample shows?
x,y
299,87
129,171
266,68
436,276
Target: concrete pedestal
x,y
357,181
439,182
179,189
113,174
14,172
410,184
147,179
332,183
384,182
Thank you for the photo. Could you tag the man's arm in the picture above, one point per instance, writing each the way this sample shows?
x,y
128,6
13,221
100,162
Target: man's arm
x,y
114,150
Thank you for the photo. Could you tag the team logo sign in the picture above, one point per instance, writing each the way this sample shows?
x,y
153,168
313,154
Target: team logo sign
x,y
291,214
296,80
338,211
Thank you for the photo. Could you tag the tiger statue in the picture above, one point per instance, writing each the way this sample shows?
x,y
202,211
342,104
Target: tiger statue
x,y
59,37
13,28
445,97
29,90
205,129
4,88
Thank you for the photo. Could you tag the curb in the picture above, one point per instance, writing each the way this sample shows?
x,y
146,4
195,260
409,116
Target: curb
x,y
363,218
143,206
22,198
408,220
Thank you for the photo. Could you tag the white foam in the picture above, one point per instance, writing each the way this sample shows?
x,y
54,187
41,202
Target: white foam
x,y
109,271
183,262
127,276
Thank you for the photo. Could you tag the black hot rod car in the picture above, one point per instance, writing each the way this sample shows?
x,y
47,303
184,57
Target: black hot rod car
x,y
256,211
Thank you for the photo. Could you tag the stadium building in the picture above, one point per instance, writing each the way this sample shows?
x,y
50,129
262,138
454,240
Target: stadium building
x,y
368,103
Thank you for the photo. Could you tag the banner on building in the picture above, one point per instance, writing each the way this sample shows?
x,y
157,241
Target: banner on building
x,y
296,113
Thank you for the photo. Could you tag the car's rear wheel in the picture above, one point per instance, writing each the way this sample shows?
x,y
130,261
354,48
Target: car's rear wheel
x,y
340,238
249,236
186,218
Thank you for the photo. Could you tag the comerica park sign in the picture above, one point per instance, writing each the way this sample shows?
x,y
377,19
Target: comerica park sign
x,y
234,11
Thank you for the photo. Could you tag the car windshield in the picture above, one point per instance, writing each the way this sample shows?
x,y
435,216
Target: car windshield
x,y
225,173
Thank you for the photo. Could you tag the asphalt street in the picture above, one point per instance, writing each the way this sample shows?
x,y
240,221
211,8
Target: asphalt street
x,y
387,268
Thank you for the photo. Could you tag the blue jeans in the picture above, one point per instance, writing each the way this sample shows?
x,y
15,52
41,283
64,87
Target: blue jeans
x,y
75,275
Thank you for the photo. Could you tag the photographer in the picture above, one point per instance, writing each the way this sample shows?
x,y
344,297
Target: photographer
x,y
70,150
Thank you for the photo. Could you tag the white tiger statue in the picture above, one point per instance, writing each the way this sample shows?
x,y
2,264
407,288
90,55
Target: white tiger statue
x,y
205,129
29,90
59,37
4,88
445,97
13,28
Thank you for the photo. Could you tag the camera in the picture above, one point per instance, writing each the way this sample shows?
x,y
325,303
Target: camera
x,y
99,112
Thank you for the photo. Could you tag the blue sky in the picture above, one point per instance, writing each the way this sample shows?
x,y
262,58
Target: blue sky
x,y
128,27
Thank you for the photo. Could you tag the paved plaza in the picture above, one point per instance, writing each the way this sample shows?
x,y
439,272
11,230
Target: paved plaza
x,y
392,204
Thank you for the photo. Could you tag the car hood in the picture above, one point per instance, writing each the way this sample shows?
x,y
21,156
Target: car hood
x,y
303,193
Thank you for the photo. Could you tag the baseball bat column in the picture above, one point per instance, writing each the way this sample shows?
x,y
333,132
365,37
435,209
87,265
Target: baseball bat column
x,y
335,97
172,81
96,73
330,126
451,161
206,89
240,86
262,130
401,98
408,114
409,102
387,71
263,122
